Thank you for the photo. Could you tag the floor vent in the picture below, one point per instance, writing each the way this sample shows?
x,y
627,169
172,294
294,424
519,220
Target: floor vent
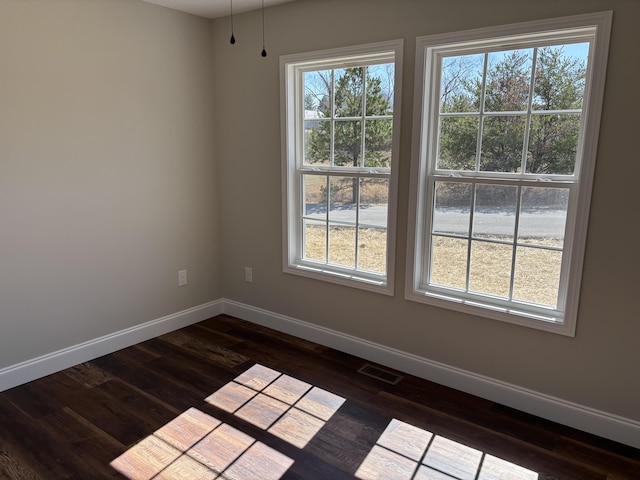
x,y
380,374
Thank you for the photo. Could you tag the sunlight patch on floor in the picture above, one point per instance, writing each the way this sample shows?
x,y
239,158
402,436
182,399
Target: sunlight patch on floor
x,y
286,407
406,452
197,445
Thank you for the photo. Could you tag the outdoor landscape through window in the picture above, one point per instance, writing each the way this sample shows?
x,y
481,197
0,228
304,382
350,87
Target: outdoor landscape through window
x,y
340,156
503,168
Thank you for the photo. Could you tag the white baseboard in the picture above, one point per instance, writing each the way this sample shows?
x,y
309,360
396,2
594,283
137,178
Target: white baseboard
x,y
54,362
583,418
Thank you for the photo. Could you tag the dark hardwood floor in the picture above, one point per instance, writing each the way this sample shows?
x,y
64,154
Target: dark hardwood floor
x,y
231,400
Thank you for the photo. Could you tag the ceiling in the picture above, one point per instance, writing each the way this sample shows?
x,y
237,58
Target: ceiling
x,y
215,8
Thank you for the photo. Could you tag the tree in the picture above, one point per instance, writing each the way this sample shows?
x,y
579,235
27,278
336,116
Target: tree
x,y
348,108
352,87
559,85
553,137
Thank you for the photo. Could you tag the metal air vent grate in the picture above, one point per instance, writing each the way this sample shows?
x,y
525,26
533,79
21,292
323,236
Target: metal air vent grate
x,y
380,374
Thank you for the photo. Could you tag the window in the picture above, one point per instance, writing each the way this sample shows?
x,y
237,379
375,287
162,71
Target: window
x,y
340,114
504,156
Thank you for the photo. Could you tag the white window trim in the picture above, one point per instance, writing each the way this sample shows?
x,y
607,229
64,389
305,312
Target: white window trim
x,y
291,190
578,215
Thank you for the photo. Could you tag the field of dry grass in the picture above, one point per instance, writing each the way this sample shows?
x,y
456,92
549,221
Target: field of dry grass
x,y
371,247
536,274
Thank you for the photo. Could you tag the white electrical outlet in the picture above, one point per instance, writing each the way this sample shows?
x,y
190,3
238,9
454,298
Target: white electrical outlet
x,y
248,274
182,278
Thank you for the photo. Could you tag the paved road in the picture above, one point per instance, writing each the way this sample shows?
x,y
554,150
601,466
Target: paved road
x,y
533,224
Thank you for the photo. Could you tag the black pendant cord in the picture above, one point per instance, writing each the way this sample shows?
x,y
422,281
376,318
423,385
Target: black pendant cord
x,y
232,40
264,51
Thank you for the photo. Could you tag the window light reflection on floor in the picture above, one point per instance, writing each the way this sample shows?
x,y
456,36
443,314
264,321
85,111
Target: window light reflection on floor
x,y
286,407
197,445
406,452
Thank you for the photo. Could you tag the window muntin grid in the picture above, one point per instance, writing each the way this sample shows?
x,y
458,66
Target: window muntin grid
x,y
340,188
436,161
496,107
487,239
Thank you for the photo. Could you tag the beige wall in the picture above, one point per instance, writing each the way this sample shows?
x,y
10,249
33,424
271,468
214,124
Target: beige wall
x,y
107,179
597,368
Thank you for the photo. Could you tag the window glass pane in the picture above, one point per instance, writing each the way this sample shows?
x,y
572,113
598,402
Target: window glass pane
x,y
348,91
543,215
374,201
315,241
508,81
342,243
449,262
315,196
317,105
553,144
560,77
460,83
452,211
378,135
494,215
490,269
317,94
502,142
343,199
537,275
348,143
317,142
458,141
372,249
380,84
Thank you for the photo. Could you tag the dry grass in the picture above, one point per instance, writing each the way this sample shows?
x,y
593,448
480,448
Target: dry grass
x,y
536,275
372,246
371,191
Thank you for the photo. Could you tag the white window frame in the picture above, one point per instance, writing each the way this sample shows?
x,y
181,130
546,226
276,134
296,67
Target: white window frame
x,y
292,68
596,27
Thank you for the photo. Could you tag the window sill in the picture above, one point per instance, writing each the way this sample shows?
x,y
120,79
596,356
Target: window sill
x,y
552,322
380,285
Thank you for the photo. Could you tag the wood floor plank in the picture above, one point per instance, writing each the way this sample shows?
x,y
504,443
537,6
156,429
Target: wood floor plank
x,y
348,436
37,452
15,465
89,446
234,325
121,412
150,380
88,374
41,397
201,346
296,411
187,367
603,461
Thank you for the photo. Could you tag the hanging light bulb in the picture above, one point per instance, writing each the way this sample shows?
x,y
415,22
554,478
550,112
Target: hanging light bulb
x,y
264,51
232,40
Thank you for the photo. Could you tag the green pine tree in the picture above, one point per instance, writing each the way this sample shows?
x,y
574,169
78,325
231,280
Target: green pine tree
x,y
355,92
558,85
